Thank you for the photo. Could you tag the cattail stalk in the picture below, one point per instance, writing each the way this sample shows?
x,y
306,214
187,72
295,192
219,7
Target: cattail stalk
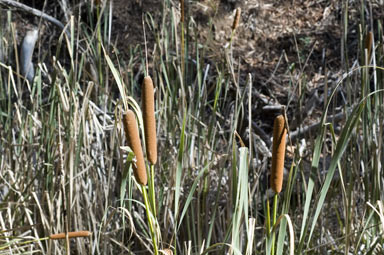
x,y
132,136
149,119
70,235
278,153
182,19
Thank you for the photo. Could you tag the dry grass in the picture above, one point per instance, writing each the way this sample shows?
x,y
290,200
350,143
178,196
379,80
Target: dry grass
x,y
64,163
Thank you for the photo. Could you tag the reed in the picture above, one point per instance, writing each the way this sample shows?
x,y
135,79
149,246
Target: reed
x,y
278,153
133,139
70,235
182,42
149,120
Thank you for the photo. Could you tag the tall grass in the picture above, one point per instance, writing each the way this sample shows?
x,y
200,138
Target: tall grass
x,y
66,165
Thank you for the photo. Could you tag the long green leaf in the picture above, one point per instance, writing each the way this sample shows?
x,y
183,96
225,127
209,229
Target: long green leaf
x,y
180,166
340,148
241,202
190,195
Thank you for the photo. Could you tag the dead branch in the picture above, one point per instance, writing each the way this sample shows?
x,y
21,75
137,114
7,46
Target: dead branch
x,y
33,11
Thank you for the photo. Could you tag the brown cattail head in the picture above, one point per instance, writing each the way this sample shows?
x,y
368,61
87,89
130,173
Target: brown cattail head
x,y
236,21
132,135
149,119
70,235
368,43
278,153
182,10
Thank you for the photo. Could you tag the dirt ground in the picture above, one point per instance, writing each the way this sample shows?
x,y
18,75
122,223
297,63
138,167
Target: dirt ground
x,y
267,29
277,42
273,38
274,41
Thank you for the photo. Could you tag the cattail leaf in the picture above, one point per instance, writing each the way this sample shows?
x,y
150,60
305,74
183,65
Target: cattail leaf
x,y
180,165
117,78
286,205
126,176
283,220
314,166
341,145
241,201
190,195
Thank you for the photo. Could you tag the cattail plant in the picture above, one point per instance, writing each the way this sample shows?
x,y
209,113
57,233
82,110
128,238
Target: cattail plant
x,y
132,135
139,170
277,170
70,235
150,135
278,153
149,119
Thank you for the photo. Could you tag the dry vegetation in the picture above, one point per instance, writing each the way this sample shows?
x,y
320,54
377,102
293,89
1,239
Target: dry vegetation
x,y
85,152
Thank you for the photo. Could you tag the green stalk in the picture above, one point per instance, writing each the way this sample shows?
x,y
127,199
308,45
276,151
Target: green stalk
x,y
182,51
274,222
151,187
3,247
150,223
99,40
268,218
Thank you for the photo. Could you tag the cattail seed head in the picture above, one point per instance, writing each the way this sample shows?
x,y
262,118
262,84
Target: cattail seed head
x,y
278,153
149,119
133,138
182,10
368,43
70,235
236,20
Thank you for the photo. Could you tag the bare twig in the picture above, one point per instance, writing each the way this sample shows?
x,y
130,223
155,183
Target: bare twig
x,y
311,128
33,11
145,46
260,132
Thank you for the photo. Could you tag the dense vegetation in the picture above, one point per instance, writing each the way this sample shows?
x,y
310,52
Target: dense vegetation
x,y
65,163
